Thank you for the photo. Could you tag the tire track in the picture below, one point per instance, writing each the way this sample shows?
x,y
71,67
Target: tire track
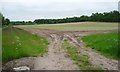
x,y
95,58
55,60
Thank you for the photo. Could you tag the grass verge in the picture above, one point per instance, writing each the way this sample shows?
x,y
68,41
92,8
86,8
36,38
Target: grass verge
x,y
80,59
106,44
18,43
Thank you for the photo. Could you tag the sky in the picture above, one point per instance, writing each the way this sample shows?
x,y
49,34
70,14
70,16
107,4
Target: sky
x,y
29,10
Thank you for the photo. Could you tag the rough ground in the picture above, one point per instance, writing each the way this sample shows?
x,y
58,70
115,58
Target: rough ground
x,y
97,59
57,59
27,61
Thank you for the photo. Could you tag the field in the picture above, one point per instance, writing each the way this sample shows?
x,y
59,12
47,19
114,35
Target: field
x,y
69,54
107,44
79,26
18,43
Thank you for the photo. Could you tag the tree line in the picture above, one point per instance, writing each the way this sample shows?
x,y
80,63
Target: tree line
x,y
21,22
113,16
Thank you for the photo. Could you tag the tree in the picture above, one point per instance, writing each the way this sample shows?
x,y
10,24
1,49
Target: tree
x,y
7,21
113,16
3,20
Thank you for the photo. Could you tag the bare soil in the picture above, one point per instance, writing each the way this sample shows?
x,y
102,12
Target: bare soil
x,y
57,59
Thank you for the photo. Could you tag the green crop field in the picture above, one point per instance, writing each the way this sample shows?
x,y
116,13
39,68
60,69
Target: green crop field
x,y
18,43
78,26
106,44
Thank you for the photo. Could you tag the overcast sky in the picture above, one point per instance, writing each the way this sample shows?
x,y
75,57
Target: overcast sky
x,y
34,9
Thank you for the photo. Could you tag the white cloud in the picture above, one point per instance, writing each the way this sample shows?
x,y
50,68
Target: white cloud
x,y
31,9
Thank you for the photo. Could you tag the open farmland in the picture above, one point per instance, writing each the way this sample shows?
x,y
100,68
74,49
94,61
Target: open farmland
x,y
59,35
78,26
66,50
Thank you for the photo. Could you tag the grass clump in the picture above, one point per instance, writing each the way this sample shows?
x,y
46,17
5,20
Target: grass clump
x,y
18,43
80,59
106,44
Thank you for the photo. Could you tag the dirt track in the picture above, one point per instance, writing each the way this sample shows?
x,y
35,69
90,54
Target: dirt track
x,y
96,58
57,59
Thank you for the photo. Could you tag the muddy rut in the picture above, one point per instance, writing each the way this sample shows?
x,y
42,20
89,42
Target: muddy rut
x,y
57,59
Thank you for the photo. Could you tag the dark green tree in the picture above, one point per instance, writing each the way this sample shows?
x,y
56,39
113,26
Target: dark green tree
x,y
6,21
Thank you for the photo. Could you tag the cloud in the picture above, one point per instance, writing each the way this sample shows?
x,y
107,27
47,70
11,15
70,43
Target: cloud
x,y
32,9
